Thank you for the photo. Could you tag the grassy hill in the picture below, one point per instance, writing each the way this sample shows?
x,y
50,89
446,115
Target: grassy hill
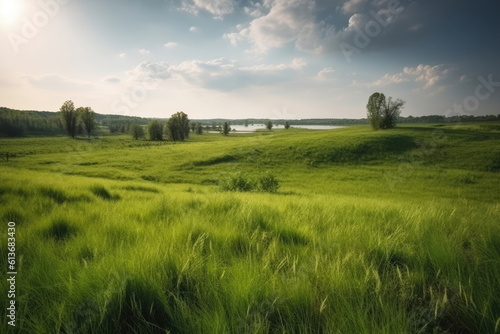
x,y
370,232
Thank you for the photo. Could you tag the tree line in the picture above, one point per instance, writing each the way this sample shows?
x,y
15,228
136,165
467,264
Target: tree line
x,y
382,113
14,123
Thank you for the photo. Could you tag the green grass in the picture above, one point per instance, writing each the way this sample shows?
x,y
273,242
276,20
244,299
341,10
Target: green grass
x,y
369,232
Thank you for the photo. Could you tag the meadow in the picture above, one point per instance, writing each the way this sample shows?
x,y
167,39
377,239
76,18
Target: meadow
x,y
394,231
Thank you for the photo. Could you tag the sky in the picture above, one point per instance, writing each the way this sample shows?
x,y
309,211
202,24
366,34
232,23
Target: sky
x,y
277,59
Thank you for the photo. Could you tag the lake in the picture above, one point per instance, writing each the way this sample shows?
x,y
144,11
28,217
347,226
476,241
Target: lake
x,y
255,127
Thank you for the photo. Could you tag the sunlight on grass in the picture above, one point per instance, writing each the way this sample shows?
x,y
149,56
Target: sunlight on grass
x,y
337,248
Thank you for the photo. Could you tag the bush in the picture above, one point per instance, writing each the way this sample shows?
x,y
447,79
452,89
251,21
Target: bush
x,y
268,183
237,182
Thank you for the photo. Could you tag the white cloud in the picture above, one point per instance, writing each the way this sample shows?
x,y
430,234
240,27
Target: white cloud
x,y
428,76
170,45
353,6
150,71
296,64
235,38
218,74
276,23
193,29
286,21
328,73
218,8
144,51
122,55
257,9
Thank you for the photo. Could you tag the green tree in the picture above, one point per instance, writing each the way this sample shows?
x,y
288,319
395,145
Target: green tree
x,y
391,112
269,125
226,128
70,117
374,108
287,125
87,118
198,129
137,131
381,112
178,127
155,130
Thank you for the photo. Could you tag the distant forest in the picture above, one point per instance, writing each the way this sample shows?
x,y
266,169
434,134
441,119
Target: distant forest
x,y
17,123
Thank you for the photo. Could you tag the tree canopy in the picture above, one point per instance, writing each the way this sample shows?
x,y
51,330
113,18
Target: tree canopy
x,y
70,117
382,113
87,117
155,130
178,127
226,128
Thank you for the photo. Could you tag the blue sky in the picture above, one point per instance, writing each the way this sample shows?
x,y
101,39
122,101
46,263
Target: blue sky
x,y
237,59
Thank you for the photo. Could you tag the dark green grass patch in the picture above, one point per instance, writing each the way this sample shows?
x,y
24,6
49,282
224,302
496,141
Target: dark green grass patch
x,y
217,160
103,193
138,308
60,196
61,230
143,189
291,237
13,215
56,195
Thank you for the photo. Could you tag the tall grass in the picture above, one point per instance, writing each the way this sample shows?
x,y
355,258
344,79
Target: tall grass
x,y
334,251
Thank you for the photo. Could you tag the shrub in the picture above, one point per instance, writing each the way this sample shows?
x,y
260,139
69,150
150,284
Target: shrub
x,y
237,182
268,183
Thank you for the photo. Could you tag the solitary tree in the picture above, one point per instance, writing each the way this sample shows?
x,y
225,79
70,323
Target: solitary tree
x,y
269,125
225,128
374,109
381,112
137,131
87,118
198,129
392,110
155,130
178,127
70,117
287,125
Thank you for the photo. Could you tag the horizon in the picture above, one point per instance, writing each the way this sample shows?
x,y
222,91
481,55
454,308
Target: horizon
x,y
270,59
255,119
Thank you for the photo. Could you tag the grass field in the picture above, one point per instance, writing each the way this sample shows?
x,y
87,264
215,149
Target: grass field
x,y
393,231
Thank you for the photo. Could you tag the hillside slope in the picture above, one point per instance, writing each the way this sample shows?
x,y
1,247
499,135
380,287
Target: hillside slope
x,y
370,232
